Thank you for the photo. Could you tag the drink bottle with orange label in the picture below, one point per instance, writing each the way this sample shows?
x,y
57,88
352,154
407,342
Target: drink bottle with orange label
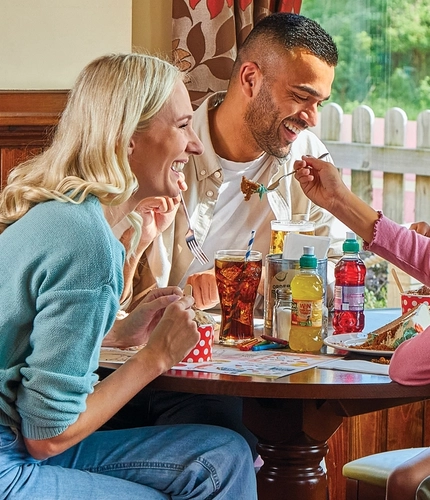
x,y
307,305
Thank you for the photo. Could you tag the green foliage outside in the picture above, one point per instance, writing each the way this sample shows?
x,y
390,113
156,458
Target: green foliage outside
x,y
375,293
384,52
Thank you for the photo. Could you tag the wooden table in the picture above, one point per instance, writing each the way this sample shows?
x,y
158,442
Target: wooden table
x,y
294,416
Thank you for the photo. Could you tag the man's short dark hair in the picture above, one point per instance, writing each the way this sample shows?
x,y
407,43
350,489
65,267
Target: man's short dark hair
x,y
291,31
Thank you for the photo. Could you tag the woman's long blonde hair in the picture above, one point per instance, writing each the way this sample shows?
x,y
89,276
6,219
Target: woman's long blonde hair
x,y
114,96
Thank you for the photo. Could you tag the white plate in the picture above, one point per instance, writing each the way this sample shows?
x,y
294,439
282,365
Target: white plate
x,y
349,341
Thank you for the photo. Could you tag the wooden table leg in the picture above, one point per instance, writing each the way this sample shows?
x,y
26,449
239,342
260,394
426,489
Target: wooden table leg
x,y
292,471
292,441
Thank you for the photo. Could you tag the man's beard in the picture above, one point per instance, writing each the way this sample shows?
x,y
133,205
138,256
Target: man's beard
x,y
262,119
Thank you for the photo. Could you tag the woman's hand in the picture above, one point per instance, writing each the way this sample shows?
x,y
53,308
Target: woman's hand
x,y
322,184
175,335
158,213
421,228
136,328
320,181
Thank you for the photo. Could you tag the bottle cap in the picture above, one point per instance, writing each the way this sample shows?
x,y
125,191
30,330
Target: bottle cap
x,y
283,293
308,259
350,245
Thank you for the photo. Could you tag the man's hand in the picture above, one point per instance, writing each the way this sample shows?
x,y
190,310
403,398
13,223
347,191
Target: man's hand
x,y
205,291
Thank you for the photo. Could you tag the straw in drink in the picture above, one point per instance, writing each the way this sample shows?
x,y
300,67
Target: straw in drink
x,y
237,279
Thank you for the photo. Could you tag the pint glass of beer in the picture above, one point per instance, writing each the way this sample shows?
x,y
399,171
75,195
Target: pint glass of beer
x,y
237,279
280,228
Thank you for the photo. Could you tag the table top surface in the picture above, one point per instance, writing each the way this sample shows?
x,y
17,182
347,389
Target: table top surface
x,y
314,383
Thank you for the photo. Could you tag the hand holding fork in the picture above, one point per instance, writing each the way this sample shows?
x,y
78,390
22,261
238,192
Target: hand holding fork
x,y
275,184
190,239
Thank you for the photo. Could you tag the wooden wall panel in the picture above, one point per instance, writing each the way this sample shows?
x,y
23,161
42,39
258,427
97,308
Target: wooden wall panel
x,y
338,450
426,423
367,434
27,120
406,426
31,108
10,157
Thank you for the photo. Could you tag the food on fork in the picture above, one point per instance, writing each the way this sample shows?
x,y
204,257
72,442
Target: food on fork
x,y
389,337
249,187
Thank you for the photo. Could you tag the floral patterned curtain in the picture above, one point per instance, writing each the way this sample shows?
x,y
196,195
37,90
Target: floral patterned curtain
x,y
207,34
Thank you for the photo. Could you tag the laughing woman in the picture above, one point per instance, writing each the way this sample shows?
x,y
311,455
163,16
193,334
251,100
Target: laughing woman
x,y
128,120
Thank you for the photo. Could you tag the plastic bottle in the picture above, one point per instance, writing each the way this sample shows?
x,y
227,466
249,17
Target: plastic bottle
x,y
349,273
307,305
281,318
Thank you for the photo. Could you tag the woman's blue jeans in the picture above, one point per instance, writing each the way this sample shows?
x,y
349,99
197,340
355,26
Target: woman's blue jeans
x,y
150,463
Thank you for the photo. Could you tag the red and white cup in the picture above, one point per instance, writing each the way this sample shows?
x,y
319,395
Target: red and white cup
x,y
411,300
202,351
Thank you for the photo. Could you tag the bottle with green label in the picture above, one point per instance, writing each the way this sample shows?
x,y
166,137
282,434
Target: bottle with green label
x,y
307,305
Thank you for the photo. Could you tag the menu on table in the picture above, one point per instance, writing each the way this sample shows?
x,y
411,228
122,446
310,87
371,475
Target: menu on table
x,y
232,361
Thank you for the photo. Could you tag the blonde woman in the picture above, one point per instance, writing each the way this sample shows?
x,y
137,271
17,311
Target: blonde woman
x,y
127,124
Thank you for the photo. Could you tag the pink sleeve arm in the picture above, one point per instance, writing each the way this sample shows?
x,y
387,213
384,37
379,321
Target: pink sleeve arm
x,y
404,248
410,364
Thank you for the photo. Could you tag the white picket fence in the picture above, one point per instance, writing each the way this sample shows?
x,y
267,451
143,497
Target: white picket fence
x,y
393,158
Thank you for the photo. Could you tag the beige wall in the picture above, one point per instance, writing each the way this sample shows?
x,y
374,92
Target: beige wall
x,y
152,26
45,43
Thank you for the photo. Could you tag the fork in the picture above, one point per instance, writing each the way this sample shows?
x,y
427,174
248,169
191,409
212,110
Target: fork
x,y
190,239
275,184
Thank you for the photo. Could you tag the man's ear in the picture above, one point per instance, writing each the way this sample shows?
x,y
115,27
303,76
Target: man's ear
x,y
250,75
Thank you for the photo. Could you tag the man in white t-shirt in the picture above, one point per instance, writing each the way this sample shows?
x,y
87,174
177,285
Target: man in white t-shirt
x,y
258,128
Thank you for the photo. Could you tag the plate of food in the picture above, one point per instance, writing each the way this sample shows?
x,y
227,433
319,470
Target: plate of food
x,y
353,342
385,340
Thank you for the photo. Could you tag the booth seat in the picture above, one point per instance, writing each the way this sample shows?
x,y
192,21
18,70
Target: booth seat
x,y
367,476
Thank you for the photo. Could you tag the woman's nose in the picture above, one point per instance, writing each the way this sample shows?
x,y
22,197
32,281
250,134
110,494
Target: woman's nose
x,y
195,145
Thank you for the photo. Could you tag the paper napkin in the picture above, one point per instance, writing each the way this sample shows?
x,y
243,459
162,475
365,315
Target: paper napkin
x,y
294,243
357,365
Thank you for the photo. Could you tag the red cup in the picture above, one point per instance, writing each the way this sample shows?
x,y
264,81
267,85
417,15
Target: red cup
x,y
411,300
202,351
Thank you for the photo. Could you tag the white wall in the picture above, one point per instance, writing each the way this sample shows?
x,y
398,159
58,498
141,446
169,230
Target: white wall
x,y
44,44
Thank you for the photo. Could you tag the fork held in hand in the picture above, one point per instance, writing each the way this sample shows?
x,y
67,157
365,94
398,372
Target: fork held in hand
x,y
190,239
275,184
